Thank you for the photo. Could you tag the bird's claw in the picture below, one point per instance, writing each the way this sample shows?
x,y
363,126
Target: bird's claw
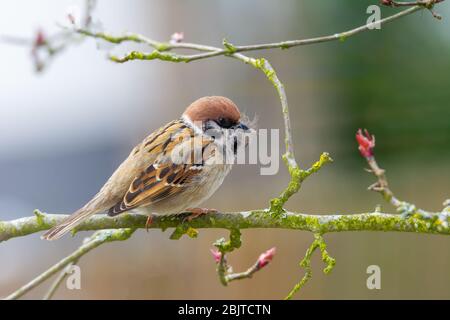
x,y
197,212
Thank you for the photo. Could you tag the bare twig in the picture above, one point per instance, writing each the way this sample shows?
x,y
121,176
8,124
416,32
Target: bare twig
x,y
428,4
224,271
98,238
55,285
44,48
366,147
230,49
226,275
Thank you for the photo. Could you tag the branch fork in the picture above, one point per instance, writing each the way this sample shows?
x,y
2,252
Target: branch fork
x,y
428,4
224,270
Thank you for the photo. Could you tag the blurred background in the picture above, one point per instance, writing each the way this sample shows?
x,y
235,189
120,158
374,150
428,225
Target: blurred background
x,y
64,131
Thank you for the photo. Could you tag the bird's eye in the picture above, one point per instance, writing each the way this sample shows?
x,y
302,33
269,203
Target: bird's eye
x,y
224,123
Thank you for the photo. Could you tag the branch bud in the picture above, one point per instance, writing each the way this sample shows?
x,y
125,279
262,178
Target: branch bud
x,y
217,255
366,143
266,257
177,37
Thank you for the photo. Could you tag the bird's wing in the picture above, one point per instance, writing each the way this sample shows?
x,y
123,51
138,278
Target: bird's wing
x,y
181,155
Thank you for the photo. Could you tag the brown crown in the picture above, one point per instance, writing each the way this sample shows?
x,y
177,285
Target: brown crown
x,y
213,108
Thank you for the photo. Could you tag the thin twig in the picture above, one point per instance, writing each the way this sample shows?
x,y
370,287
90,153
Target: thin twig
x,y
225,273
98,238
320,243
366,143
263,260
393,3
382,187
243,275
429,4
45,48
305,263
55,285
165,46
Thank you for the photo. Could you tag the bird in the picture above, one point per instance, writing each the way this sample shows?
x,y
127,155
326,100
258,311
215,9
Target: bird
x,y
165,174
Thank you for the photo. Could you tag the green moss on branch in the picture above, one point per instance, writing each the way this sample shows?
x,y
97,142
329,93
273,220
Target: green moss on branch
x,y
264,218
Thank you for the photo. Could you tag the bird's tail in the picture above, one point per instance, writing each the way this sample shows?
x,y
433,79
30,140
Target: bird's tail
x,y
69,223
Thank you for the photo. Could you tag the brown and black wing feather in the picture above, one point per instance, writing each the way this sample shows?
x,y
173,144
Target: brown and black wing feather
x,y
154,185
164,178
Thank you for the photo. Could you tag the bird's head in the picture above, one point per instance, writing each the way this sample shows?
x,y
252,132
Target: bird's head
x,y
220,118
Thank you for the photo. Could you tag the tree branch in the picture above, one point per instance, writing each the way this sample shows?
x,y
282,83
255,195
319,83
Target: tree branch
x,y
263,218
230,49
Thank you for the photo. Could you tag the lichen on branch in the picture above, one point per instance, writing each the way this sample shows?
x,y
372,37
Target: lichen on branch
x,y
305,263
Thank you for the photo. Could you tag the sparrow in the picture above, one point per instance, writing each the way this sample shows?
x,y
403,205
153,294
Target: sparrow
x,y
172,170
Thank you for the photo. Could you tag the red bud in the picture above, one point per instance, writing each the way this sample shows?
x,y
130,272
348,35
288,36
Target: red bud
x,y
39,40
366,143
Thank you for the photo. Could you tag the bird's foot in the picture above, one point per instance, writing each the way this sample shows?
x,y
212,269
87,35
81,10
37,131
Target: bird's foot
x,y
197,212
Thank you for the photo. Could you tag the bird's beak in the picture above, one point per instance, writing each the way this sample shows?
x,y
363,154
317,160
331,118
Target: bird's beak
x,y
242,126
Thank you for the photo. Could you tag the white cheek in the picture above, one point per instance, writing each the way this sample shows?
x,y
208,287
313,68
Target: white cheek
x,y
198,130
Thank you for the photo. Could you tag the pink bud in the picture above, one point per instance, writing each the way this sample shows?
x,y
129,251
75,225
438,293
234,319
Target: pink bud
x,y
73,14
71,18
217,255
177,37
39,40
366,143
266,257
